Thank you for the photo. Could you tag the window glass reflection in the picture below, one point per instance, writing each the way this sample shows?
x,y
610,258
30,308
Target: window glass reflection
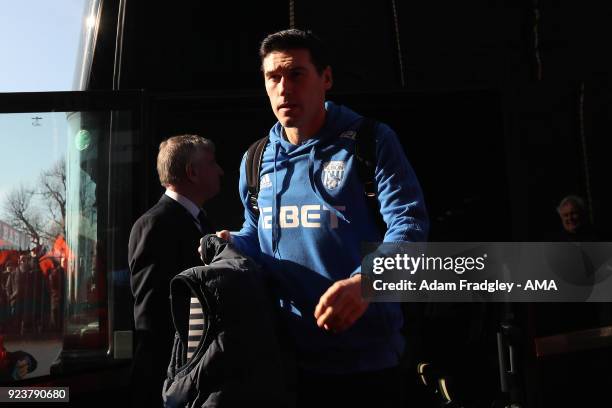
x,y
49,286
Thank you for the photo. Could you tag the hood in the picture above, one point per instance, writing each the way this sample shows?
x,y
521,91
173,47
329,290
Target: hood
x,y
337,119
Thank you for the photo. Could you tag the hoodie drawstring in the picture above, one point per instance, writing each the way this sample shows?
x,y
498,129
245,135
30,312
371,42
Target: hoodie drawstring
x,y
275,207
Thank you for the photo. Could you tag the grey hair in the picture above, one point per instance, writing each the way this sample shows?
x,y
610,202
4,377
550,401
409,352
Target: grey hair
x,y
573,199
175,153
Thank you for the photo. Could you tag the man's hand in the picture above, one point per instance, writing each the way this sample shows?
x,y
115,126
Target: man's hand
x,y
225,234
341,305
21,369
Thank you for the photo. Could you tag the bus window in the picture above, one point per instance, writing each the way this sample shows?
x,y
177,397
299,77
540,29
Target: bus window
x,y
54,223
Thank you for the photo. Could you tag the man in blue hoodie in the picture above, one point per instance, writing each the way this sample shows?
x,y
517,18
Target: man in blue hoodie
x,y
313,218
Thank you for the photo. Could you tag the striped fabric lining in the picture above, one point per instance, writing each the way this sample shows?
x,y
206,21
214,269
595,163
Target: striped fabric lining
x,y
196,326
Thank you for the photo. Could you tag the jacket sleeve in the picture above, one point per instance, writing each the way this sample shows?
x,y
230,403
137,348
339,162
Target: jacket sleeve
x,y
150,261
399,193
247,239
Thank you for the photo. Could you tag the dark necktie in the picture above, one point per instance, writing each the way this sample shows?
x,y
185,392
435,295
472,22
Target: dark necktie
x,y
204,224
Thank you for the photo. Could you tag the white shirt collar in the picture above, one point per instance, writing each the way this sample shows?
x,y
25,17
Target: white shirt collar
x,y
193,209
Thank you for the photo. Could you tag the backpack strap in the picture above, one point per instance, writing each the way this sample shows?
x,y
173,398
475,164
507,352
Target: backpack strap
x,y
253,166
365,153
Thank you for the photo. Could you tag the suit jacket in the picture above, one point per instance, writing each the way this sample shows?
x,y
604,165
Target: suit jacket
x,y
163,242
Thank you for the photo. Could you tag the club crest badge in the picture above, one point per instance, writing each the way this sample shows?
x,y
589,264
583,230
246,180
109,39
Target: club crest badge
x,y
265,181
333,172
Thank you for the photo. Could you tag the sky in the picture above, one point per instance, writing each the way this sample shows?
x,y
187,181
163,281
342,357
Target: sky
x,y
39,46
39,41
29,149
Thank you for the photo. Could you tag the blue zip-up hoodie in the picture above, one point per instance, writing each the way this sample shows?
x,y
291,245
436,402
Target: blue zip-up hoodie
x,y
312,223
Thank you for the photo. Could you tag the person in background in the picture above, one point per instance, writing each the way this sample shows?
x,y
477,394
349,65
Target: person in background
x,y
163,242
575,221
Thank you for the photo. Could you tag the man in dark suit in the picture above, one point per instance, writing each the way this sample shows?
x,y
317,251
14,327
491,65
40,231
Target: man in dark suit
x,y
164,242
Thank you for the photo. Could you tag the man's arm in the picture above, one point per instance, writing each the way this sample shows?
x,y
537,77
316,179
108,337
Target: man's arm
x,y
402,205
403,210
246,240
150,265
401,199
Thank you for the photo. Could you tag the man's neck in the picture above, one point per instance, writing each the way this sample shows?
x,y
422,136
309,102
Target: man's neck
x,y
294,136
185,193
298,135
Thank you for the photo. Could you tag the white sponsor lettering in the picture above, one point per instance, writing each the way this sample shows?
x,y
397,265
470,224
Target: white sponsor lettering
x,y
333,219
289,216
307,216
267,219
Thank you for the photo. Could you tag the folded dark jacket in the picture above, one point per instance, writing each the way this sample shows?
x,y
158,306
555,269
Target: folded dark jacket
x,y
238,362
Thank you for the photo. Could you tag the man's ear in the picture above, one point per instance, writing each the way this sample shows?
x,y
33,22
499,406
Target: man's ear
x,y
190,172
329,80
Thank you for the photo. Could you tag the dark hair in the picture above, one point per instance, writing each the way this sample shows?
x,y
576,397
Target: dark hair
x,y
293,39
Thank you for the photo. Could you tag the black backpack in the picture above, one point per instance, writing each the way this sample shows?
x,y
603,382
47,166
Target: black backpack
x,y
365,153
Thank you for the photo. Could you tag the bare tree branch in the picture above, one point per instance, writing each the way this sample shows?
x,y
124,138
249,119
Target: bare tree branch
x,y
53,189
23,210
21,214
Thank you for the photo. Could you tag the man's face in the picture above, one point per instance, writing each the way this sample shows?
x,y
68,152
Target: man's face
x,y
295,88
571,217
206,173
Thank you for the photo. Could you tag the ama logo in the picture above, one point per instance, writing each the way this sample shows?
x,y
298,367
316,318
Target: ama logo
x,y
545,285
333,172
